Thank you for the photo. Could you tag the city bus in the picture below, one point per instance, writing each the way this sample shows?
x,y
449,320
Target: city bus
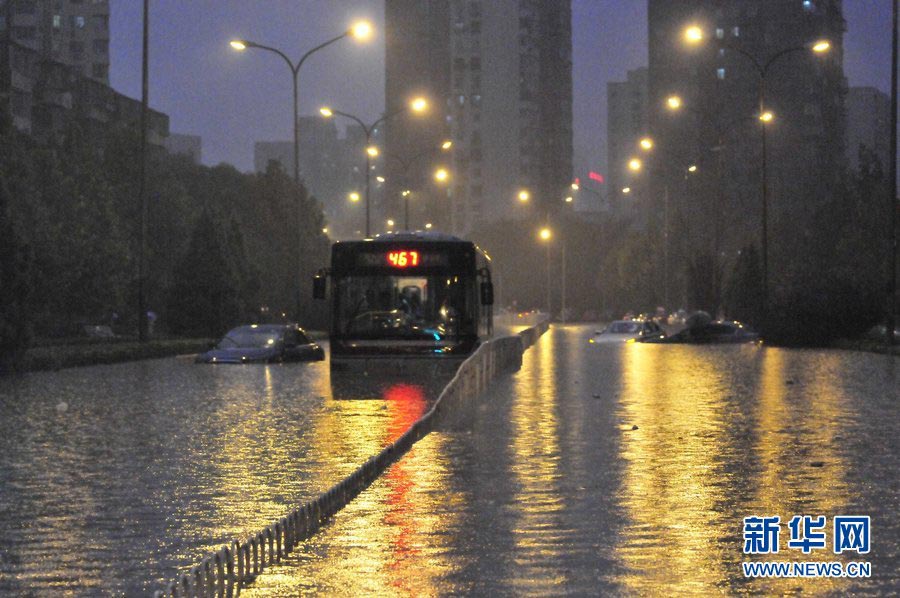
x,y
406,296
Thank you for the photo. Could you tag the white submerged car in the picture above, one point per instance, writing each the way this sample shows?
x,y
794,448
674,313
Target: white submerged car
x,y
623,331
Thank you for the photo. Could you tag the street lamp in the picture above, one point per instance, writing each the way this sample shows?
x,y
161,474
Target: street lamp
x,y
417,105
524,195
635,165
694,35
626,190
359,31
673,102
646,144
354,197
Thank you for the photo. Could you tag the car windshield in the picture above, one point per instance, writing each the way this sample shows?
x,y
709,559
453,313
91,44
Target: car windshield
x,y
624,328
249,338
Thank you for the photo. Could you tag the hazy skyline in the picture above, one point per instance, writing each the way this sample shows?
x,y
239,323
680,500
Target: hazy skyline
x,y
234,99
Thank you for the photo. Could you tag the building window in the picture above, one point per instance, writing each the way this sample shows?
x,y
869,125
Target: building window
x,y
808,5
720,33
2,23
736,31
78,22
720,73
57,21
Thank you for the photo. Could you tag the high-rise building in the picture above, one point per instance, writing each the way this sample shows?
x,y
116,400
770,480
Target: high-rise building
x,y
718,205
417,63
73,32
54,68
868,124
500,77
626,119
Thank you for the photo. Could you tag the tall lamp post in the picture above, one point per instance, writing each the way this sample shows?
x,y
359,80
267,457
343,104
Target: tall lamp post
x,y
694,35
142,184
361,31
674,103
417,105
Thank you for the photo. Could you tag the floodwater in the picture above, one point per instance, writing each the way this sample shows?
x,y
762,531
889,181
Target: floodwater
x,y
627,470
113,479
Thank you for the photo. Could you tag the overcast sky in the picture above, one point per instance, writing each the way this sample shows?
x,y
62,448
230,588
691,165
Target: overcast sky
x,y
233,99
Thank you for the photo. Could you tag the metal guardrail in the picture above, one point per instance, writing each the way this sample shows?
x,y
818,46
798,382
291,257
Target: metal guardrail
x,y
223,573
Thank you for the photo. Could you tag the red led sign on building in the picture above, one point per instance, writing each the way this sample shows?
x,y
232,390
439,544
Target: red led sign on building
x,y
403,259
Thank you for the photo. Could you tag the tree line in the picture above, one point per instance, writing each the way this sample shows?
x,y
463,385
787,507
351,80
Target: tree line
x,y
221,245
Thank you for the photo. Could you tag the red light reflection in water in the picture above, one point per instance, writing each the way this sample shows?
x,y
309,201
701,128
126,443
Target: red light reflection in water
x,y
406,404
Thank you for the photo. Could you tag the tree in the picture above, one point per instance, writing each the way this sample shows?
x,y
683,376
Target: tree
x,y
203,299
744,293
15,288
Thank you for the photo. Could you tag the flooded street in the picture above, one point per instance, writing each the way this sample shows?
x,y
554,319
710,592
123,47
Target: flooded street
x,y
626,470
112,478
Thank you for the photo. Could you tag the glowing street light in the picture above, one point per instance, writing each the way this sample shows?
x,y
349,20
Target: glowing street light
x,y
692,168
545,234
326,112
427,225
441,175
673,102
372,151
575,186
569,199
646,144
390,222
634,164
766,116
238,45
361,30
626,190
446,145
823,45
354,197
419,105
524,195
693,34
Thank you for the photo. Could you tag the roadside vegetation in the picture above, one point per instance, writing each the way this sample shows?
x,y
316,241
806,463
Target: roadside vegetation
x,y
222,244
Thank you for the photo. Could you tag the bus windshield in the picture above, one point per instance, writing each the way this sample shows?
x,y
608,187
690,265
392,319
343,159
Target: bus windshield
x,y
427,307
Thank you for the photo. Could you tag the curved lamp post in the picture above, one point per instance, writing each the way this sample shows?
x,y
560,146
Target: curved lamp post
x,y
417,105
361,31
694,35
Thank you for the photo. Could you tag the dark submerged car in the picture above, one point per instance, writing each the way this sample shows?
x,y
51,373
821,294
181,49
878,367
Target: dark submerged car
x,y
708,333
263,343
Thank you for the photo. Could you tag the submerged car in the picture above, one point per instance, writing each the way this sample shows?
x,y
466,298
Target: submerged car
x,y
623,331
263,343
707,333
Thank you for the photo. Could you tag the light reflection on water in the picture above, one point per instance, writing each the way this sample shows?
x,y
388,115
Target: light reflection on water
x,y
554,491
155,464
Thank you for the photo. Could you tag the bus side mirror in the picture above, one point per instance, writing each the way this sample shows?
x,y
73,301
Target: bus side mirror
x,y
319,284
487,293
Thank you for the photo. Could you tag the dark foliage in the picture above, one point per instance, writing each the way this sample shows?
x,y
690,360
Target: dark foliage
x,y
204,298
74,202
743,293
